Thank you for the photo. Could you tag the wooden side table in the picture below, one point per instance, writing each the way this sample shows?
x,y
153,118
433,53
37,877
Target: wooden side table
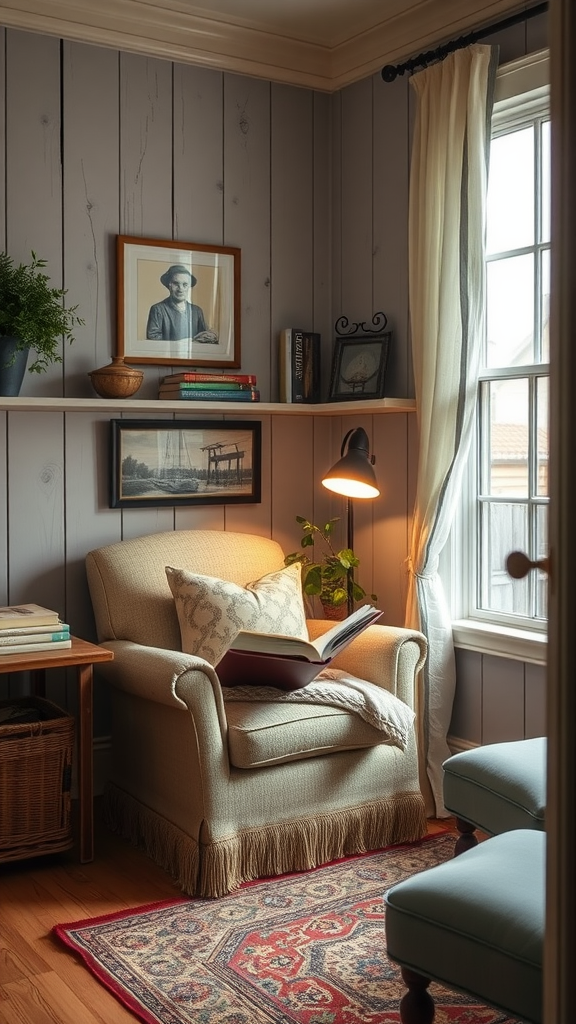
x,y
84,656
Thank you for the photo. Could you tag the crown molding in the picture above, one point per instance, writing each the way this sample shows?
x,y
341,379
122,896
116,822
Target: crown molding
x,y
175,32
422,27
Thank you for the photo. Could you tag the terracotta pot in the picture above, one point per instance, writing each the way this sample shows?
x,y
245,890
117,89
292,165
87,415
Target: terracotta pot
x,y
117,380
336,612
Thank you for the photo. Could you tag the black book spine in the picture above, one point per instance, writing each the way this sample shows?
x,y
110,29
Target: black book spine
x,y
305,367
297,363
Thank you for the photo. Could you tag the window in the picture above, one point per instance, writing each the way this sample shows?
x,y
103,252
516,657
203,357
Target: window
x,y
505,506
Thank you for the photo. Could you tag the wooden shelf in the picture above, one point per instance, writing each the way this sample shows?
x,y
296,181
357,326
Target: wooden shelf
x,y
148,405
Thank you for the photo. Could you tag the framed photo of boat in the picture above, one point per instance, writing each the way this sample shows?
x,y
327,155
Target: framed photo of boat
x,y
164,463
178,302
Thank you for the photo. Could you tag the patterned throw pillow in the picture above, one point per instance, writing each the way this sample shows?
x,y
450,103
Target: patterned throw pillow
x,y
212,611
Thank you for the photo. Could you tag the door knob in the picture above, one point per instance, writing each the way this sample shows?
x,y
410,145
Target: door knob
x,y
518,565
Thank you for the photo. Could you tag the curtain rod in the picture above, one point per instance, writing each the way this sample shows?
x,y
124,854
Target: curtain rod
x,y
391,71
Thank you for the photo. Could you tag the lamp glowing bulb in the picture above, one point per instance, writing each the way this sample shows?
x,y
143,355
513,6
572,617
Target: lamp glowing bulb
x,y
351,488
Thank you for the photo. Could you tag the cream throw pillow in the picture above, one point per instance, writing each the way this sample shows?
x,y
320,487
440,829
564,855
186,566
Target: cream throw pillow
x,y
212,611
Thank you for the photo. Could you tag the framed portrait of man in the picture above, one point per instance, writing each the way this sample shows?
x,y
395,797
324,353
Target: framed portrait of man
x,y
178,302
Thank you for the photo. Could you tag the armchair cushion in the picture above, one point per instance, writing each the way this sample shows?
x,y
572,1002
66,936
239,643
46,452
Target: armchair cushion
x,y
336,711
211,611
263,732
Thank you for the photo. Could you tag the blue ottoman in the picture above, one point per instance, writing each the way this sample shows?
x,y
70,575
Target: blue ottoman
x,y
475,924
496,788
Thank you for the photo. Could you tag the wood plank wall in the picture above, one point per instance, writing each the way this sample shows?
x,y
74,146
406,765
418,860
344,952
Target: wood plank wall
x,y
100,143
312,188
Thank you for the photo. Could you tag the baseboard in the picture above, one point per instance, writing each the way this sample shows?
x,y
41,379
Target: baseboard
x,y
102,763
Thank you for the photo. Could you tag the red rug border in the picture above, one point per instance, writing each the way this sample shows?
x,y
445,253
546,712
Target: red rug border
x,y
132,1004
120,994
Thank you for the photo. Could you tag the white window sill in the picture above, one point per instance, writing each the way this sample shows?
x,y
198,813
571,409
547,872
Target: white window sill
x,y
503,641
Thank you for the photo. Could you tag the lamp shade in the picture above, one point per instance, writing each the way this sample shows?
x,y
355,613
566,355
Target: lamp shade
x,y
353,475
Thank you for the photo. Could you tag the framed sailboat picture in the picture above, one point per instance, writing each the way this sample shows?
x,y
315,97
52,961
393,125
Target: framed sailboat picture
x,y
162,463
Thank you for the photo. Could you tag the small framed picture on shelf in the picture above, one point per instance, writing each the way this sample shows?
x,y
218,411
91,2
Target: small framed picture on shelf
x,y
359,367
163,463
178,302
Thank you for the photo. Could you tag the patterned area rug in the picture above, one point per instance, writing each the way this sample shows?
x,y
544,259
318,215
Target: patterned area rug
x,y
301,949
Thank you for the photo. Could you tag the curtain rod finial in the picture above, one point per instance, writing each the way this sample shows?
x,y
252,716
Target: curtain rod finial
x,y
389,73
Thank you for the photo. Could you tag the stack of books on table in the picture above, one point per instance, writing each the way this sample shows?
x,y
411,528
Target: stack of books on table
x,y
27,628
190,386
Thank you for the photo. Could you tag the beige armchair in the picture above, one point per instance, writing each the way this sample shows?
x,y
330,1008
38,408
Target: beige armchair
x,y
219,793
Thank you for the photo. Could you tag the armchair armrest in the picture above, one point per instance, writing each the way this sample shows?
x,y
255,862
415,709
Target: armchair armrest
x,y
166,677
187,684
389,656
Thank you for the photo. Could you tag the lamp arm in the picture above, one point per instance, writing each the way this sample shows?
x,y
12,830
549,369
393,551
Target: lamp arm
x,y
350,541
344,440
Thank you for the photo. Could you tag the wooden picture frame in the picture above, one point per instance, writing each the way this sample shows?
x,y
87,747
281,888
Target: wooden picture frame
x,y
359,367
165,463
178,302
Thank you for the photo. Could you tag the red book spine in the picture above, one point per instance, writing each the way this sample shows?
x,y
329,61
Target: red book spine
x,y
213,378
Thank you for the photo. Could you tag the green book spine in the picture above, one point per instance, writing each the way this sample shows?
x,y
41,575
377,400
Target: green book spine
x,y
207,386
252,395
33,638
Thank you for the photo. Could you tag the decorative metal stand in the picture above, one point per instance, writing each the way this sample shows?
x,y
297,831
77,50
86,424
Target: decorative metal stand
x,y
378,325
360,359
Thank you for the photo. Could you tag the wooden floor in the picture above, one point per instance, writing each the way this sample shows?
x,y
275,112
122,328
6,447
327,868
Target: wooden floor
x,y
40,981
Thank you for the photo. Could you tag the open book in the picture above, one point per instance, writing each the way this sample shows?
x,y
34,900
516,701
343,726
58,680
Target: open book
x,y
272,659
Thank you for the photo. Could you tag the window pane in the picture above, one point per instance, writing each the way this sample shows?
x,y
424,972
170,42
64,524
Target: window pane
x,y
542,434
545,339
508,444
541,552
510,478
546,188
504,528
511,191
510,314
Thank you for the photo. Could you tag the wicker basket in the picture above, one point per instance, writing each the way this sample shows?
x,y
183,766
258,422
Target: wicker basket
x,y
35,778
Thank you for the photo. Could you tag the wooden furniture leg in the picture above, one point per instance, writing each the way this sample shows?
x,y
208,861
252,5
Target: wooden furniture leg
x,y
417,1005
467,838
85,766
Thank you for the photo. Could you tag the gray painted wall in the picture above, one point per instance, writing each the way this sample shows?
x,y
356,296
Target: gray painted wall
x,y
314,190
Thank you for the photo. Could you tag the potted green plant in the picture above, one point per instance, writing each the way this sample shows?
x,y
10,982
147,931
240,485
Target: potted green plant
x,y
327,578
32,316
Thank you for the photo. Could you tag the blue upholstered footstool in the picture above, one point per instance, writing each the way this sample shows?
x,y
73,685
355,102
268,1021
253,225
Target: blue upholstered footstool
x,y
475,924
496,788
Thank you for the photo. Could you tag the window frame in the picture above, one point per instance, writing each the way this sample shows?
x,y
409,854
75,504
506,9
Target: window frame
x,y
522,91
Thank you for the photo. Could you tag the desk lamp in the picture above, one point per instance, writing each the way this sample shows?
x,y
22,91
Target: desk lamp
x,y
354,477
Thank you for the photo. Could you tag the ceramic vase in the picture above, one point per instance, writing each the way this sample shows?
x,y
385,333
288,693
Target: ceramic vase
x,y
12,366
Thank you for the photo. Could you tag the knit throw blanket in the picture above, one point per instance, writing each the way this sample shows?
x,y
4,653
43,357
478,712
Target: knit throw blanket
x,y
332,686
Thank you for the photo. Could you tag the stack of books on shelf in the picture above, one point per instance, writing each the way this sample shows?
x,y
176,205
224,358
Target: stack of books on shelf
x,y
190,386
28,628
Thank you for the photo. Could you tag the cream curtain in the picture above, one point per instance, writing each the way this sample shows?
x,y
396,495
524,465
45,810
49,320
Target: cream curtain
x,y
448,180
